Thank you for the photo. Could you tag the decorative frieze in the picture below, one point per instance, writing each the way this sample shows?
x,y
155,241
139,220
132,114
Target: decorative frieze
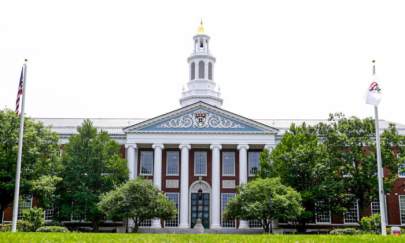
x,y
228,184
200,119
172,183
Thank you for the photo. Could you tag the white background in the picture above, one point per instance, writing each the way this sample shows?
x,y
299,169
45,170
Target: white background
x,y
275,59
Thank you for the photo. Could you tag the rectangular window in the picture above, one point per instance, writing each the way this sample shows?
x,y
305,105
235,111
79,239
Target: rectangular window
x,y
25,202
225,197
322,215
253,163
146,223
255,223
172,163
200,163
401,171
375,207
147,163
352,215
49,212
173,197
402,208
228,163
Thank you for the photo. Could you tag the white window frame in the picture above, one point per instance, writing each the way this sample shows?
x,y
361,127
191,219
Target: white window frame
x,y
167,162
223,163
141,162
400,167
25,202
401,210
195,163
374,205
357,214
49,213
323,222
248,162
227,223
169,223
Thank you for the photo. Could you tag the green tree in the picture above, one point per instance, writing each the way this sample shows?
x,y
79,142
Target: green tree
x,y
44,190
301,161
91,166
265,200
350,143
137,200
40,155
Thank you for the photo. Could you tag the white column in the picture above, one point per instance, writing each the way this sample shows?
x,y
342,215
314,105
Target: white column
x,y
157,175
243,175
131,160
216,186
184,186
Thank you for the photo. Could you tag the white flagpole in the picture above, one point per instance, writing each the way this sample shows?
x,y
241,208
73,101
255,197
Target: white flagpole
x,y
380,172
20,144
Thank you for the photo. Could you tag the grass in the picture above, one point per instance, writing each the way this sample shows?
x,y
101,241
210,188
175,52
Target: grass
x,y
189,238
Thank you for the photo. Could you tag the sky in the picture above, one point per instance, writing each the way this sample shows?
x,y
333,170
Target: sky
x,y
275,59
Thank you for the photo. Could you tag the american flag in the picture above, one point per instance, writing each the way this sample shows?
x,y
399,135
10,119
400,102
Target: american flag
x,y
20,92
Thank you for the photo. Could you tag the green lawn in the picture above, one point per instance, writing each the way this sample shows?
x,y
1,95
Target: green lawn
x,y
189,238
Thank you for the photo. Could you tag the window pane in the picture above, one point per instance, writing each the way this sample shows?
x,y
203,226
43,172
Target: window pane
x,y
352,215
401,170
225,197
192,70
253,163
402,208
210,71
375,207
322,215
146,162
173,197
172,160
200,163
228,163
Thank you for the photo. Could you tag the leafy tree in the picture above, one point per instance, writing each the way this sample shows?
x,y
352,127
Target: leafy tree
x,y
91,167
301,161
137,200
44,190
350,143
266,200
40,155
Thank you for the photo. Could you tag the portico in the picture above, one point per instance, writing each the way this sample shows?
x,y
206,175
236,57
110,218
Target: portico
x,y
179,150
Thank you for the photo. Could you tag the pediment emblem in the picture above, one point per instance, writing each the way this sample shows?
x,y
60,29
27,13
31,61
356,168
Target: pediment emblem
x,y
200,119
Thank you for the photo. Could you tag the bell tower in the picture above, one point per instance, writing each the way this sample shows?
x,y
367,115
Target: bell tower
x,y
201,85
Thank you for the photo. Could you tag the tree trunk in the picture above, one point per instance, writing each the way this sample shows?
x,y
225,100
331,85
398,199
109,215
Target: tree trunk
x,y
271,226
95,226
266,227
301,227
126,222
136,225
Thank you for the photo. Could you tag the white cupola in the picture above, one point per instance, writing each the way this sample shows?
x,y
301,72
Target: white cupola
x,y
201,85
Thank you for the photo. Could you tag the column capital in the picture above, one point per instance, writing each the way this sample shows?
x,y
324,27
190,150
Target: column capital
x,y
158,145
130,145
243,146
216,146
188,146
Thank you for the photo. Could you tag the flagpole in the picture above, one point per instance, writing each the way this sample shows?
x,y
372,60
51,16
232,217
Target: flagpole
x,y
380,172
20,144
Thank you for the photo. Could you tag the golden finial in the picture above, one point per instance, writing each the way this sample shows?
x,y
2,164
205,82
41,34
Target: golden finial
x,y
201,28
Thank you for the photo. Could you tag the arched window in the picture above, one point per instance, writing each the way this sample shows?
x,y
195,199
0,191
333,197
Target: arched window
x,y
192,71
201,69
210,70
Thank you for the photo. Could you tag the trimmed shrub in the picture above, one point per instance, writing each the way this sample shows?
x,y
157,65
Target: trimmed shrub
x,y
53,229
35,216
370,224
24,226
344,231
5,227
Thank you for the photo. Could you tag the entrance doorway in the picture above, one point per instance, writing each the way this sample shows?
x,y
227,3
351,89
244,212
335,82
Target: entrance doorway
x,y
200,208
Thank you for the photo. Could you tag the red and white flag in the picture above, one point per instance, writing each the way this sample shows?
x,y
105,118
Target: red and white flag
x,y
373,94
20,92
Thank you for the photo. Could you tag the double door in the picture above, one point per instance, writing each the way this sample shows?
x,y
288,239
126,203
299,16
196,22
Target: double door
x,y
200,208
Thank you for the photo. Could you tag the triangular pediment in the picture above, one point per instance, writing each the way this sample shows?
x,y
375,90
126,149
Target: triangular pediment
x,y
200,118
